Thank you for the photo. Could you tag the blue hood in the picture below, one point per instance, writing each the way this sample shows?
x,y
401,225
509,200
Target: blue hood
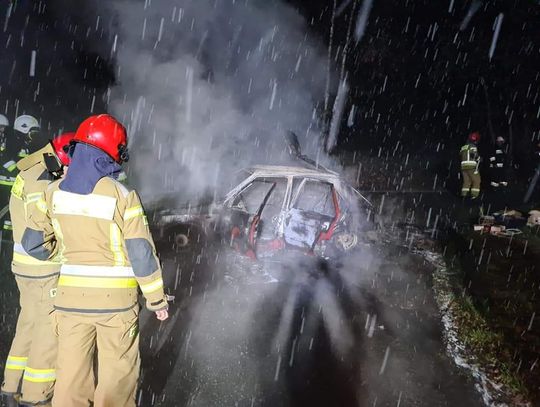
x,y
88,165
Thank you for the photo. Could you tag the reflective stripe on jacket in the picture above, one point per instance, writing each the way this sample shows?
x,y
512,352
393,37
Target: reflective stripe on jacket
x,y
8,173
469,157
497,158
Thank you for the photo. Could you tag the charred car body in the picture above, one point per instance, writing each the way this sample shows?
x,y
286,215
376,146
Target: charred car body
x,y
274,208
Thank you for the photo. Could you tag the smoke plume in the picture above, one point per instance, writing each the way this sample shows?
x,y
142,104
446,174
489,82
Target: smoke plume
x,y
208,87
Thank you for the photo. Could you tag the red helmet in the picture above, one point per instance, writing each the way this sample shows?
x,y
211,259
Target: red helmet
x,y
61,146
106,133
474,137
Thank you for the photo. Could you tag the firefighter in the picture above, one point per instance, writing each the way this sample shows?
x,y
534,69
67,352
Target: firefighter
x,y
99,230
29,372
25,138
27,130
470,162
497,164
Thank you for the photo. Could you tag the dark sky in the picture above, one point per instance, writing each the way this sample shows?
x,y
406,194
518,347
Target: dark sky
x,y
414,76
432,69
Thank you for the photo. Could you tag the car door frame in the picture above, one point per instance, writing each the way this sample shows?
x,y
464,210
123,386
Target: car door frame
x,y
327,234
277,243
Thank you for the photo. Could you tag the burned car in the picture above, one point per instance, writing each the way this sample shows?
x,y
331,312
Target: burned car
x,y
274,208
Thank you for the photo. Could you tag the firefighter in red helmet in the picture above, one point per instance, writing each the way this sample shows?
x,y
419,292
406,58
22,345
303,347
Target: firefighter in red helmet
x,y
99,229
61,147
470,163
29,373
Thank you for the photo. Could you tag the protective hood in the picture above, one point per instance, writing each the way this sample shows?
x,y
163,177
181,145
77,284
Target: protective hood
x,y
35,158
88,166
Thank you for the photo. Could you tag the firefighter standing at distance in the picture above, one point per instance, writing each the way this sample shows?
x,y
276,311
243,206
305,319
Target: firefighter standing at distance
x,y
30,367
497,164
470,163
100,231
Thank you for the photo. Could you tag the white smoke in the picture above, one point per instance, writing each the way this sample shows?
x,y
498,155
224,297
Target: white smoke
x,y
207,87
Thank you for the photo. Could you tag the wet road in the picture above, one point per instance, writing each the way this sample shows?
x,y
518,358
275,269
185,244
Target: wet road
x,y
364,333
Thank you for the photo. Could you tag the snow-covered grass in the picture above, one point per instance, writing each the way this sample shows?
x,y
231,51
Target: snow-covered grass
x,y
471,343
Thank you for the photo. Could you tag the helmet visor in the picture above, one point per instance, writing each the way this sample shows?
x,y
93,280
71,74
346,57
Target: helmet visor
x,y
33,133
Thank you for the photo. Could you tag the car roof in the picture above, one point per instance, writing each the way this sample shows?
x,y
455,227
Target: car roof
x,y
285,171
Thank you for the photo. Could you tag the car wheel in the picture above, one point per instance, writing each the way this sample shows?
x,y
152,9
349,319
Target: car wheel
x,y
181,240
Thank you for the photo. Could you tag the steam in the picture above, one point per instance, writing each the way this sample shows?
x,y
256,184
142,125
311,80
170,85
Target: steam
x,y
208,87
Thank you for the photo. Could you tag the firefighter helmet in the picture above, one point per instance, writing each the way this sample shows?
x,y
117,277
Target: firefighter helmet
x,y
500,140
4,121
106,133
61,146
474,137
26,124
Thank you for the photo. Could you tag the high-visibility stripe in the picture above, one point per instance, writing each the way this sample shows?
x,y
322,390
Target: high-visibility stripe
x,y
41,204
92,205
96,282
18,187
17,359
10,165
468,162
133,212
39,375
96,271
9,181
152,287
28,260
116,245
16,362
36,196
12,366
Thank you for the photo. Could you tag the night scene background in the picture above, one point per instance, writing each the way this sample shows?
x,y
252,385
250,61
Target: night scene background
x,y
384,92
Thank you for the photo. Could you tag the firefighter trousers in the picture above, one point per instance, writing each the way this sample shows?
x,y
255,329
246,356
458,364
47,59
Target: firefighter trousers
x,y
471,182
498,177
115,338
30,366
